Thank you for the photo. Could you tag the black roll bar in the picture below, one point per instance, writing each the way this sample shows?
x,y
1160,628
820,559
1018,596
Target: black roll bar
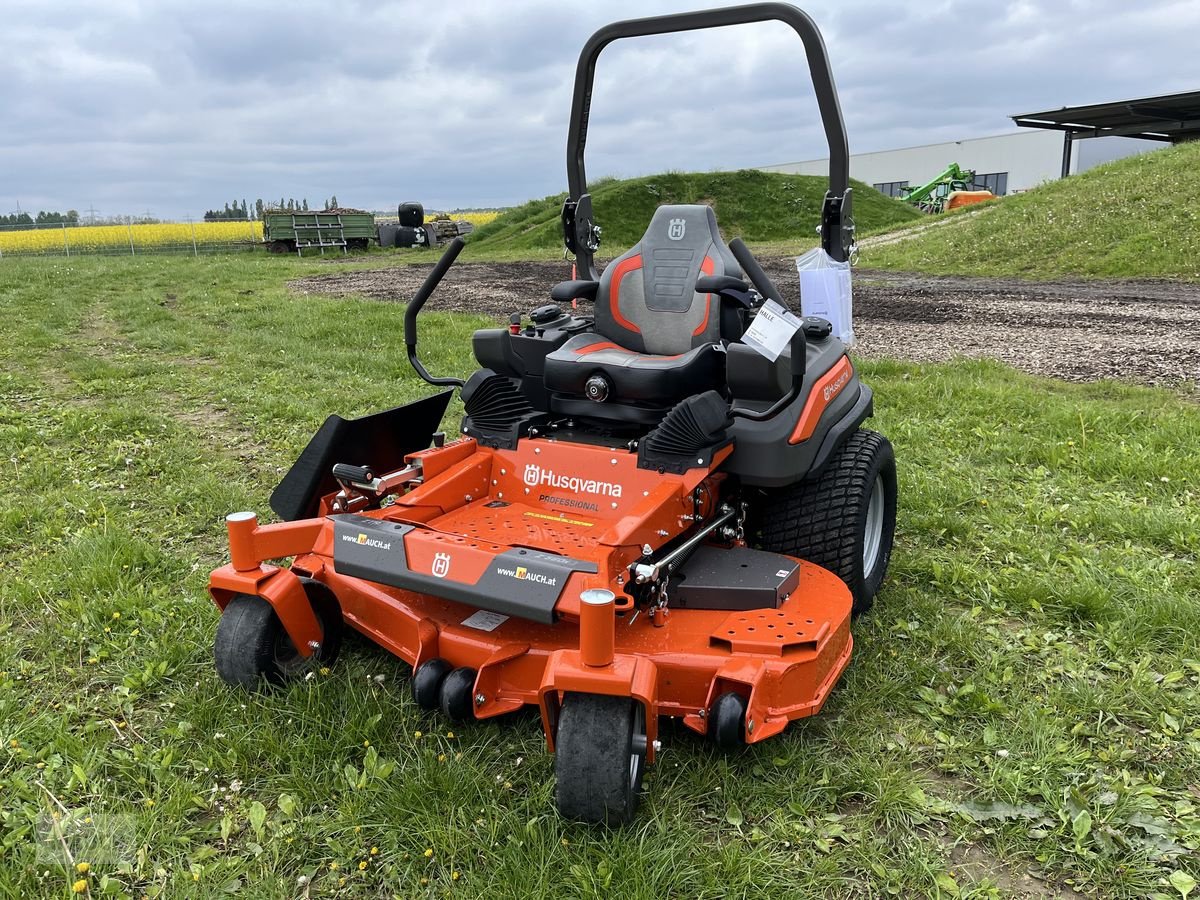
x,y
580,232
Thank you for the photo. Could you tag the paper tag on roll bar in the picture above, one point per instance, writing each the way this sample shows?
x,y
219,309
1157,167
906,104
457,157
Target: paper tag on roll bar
x,y
771,330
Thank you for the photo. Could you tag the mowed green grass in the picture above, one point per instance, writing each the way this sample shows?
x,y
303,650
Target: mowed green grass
x,y
1021,714
1132,218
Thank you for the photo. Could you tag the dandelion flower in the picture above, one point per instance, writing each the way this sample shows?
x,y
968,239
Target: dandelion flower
x,y
79,887
82,867
454,876
362,865
428,852
374,851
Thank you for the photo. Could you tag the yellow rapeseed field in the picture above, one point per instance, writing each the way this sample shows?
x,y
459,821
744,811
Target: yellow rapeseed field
x,y
476,217
116,238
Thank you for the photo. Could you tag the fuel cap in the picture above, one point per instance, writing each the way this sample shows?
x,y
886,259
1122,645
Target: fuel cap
x,y
596,388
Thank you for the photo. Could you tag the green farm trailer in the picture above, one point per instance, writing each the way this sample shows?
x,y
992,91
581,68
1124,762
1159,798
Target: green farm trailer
x,y
285,231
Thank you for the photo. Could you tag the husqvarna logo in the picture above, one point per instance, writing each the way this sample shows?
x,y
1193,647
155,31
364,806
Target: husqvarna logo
x,y
832,390
535,475
441,564
677,229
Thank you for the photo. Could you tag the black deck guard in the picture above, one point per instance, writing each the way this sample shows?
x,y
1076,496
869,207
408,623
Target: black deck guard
x,y
518,582
379,441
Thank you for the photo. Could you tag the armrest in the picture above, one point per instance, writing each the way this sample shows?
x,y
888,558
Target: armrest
x,y
574,290
717,284
734,292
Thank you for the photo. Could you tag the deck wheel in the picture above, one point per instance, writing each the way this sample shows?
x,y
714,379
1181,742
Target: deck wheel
x,y
457,695
599,758
252,649
427,682
727,721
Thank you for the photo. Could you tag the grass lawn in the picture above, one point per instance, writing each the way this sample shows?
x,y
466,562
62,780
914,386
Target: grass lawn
x,y
1022,715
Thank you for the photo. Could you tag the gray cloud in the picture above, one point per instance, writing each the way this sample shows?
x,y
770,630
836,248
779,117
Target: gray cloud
x,y
175,107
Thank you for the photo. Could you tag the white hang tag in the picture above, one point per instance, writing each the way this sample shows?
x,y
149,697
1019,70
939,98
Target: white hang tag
x,y
771,330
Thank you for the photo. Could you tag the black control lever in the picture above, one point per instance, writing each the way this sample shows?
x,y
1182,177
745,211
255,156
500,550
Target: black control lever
x,y
414,306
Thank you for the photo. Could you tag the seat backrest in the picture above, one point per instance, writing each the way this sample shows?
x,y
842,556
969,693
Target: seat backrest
x,y
647,299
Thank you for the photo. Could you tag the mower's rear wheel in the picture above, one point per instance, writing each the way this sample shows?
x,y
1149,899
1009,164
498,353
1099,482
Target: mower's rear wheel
x,y
844,520
457,695
252,649
427,682
599,758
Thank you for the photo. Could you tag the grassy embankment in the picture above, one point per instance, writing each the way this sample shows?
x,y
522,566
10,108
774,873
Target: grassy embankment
x,y
1133,218
763,208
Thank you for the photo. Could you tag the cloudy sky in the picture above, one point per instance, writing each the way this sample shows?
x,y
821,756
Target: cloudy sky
x,y
173,107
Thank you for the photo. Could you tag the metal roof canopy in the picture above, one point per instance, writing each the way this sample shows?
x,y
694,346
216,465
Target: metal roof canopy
x,y
1170,118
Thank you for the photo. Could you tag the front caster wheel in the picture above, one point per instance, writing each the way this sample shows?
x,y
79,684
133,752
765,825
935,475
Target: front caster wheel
x,y
427,682
727,721
457,695
252,649
599,758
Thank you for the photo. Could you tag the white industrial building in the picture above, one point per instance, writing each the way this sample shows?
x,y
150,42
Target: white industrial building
x,y
1003,163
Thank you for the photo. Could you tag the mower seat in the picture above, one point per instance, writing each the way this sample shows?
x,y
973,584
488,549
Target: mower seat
x,y
656,340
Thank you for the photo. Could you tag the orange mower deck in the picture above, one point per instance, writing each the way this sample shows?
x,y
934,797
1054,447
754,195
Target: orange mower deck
x,y
783,660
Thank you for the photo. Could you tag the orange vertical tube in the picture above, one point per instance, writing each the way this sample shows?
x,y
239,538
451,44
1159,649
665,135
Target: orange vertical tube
x,y
241,526
597,627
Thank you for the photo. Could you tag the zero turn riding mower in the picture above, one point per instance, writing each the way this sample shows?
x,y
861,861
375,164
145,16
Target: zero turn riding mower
x,y
645,516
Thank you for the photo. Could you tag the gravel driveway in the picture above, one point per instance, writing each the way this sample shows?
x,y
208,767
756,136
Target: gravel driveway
x,y
1146,332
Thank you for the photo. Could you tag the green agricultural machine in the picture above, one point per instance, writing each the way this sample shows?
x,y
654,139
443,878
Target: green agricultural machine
x,y
953,187
287,231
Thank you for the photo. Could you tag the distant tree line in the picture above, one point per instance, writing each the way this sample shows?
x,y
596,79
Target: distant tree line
x,y
231,211
70,217
241,211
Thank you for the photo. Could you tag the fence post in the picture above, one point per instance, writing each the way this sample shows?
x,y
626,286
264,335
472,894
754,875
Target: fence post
x,y
66,245
195,250
129,228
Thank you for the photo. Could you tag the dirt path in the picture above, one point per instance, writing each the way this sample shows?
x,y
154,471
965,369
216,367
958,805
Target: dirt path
x,y
1146,332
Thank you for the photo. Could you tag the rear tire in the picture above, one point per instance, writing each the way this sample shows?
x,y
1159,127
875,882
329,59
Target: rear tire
x,y
599,758
844,520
